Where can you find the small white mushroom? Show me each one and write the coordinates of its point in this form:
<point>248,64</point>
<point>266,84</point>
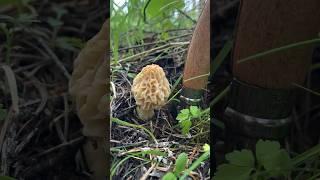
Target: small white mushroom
<point>151,90</point>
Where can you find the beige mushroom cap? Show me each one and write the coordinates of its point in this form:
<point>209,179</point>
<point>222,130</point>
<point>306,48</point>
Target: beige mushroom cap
<point>88,84</point>
<point>151,90</point>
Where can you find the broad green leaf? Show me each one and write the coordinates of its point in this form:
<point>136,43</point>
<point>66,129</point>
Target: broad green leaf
<point>169,176</point>
<point>241,158</point>
<point>185,111</point>
<point>182,117</point>
<point>232,172</point>
<point>157,7</point>
<point>181,163</point>
<point>278,164</point>
<point>266,148</point>
<point>195,111</point>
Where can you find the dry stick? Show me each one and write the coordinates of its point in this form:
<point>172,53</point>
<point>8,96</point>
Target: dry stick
<point>11,80</point>
<point>5,126</point>
<point>55,59</point>
<point>145,176</point>
<point>73,141</point>
<point>66,118</point>
<point>153,43</point>
<point>151,50</point>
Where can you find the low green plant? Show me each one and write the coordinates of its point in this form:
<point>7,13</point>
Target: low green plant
<point>269,161</point>
<point>186,116</point>
<point>180,170</point>
<point>135,21</point>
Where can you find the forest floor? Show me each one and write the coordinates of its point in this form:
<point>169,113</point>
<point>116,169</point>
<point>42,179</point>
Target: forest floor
<point>41,134</point>
<point>129,144</point>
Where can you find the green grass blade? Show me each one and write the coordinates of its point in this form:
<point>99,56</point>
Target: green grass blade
<point>282,48</point>
<point>195,164</point>
<point>221,56</point>
<point>307,89</point>
<point>298,160</point>
<point>124,123</point>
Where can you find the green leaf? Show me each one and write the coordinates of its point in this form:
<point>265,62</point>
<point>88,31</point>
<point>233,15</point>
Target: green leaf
<point>156,152</point>
<point>265,149</point>
<point>59,10</point>
<point>181,163</point>
<point>6,178</point>
<point>156,7</point>
<point>182,117</point>
<point>64,43</point>
<point>185,111</point>
<point>185,125</point>
<point>132,75</point>
<point>195,111</point>
<point>276,161</point>
<point>54,22</point>
<point>278,164</point>
<point>8,2</point>
<point>241,158</point>
<point>206,147</point>
<point>232,172</point>
<point>169,176</point>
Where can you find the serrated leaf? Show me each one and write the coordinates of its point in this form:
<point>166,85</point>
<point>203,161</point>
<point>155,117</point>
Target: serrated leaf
<point>265,149</point>
<point>185,111</point>
<point>182,117</point>
<point>241,158</point>
<point>181,163</point>
<point>232,172</point>
<point>169,176</point>
<point>195,111</point>
<point>278,164</point>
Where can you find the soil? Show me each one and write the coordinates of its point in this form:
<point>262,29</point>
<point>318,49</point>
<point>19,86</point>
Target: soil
<point>43,140</point>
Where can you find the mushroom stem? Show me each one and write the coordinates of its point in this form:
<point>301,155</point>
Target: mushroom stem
<point>96,155</point>
<point>144,114</point>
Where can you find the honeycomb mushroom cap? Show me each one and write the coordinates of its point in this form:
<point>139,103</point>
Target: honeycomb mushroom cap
<point>88,84</point>
<point>150,89</point>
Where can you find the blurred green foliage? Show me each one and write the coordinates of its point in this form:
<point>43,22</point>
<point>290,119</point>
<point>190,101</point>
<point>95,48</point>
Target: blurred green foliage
<point>135,20</point>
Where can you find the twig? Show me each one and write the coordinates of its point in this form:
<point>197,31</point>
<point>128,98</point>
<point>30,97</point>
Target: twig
<point>11,80</point>
<point>55,59</point>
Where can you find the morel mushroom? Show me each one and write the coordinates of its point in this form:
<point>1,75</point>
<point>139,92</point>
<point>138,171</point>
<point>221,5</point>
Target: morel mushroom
<point>151,90</point>
<point>88,86</point>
